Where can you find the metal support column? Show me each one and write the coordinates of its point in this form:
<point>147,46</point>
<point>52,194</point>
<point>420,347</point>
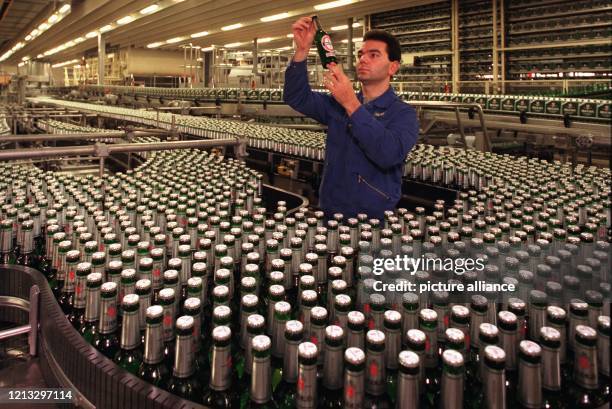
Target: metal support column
<point>456,76</point>
<point>495,48</point>
<point>101,58</point>
<point>349,50</point>
<point>502,45</point>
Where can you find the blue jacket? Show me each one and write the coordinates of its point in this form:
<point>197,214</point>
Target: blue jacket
<point>365,152</point>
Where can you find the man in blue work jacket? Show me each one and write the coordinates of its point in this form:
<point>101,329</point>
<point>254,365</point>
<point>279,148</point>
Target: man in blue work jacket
<point>369,133</point>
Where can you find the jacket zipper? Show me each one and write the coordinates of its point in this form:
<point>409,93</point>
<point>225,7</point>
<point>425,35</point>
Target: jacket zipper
<point>360,179</point>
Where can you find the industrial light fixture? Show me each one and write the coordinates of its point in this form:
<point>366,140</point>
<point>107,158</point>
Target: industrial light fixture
<point>150,9</point>
<point>200,34</point>
<point>91,34</point>
<point>208,48</point>
<point>274,17</point>
<point>333,4</point>
<point>53,18</point>
<point>265,40</point>
<point>79,40</point>
<point>155,45</point>
<point>345,27</point>
<point>231,27</point>
<point>40,56</point>
<point>64,9</point>
<point>125,20</point>
<point>290,35</point>
<point>175,40</point>
<point>232,45</point>
<point>105,28</point>
<point>43,27</point>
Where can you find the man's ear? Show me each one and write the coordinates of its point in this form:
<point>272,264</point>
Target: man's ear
<point>393,68</point>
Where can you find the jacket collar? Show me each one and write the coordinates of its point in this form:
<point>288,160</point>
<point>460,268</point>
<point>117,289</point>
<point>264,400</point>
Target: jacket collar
<point>383,100</point>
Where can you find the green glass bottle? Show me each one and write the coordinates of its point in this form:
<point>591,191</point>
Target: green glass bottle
<point>27,257</point>
<point>222,392</point>
<point>306,396</point>
<point>6,241</point>
<point>529,392</point>
<point>153,368</point>
<point>183,381</point>
<point>66,298</point>
<point>166,300</point>
<point>392,328</point>
<point>282,315</point>
<point>89,328</point>
<point>324,45</point>
<point>77,315</point>
<point>260,392</point>
<point>584,391</point>
<point>408,393</point>
<point>63,248</point>
<point>603,355</point>
<point>106,339</point>
<point>331,391</point>
<point>354,379</point>
<point>552,392</point>
<point>129,356</point>
<point>244,365</point>
<point>450,394</point>
<point>428,323</point>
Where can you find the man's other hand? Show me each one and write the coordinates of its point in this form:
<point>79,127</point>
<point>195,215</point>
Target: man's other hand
<point>303,35</point>
<point>341,88</point>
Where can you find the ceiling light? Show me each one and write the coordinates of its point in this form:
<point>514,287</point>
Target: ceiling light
<point>289,35</point>
<point>333,4</point>
<point>344,27</point>
<point>79,40</point>
<point>232,45</point>
<point>106,28</point>
<point>69,44</point>
<point>64,9</point>
<point>150,9</point>
<point>208,48</point>
<point>43,27</point>
<point>175,40</point>
<point>274,17</point>
<point>26,58</point>
<point>40,56</point>
<point>231,27</point>
<point>125,20</point>
<point>28,37</point>
<point>264,40</point>
<point>34,32</point>
<point>91,34</point>
<point>355,40</point>
<point>285,48</point>
<point>53,18</point>
<point>154,45</point>
<point>21,64</point>
<point>200,34</point>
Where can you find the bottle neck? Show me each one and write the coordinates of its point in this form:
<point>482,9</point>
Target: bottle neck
<point>108,315</point>
<point>92,306</point>
<point>392,348</point>
<point>290,361</point>
<point>353,389</point>
<point>6,240</point>
<point>603,354</point>
<point>261,379</point>
<point>408,389</point>
<point>509,342</point>
<point>551,367</point>
<point>495,388</point>
<point>79,292</point>
<point>144,303</point>
<point>130,330</point>
<point>278,337</point>
<point>307,386</point>
<point>530,384</point>
<point>184,357</point>
<point>70,278</point>
<point>221,368</point>
<point>154,345</point>
<point>375,372</point>
<point>451,389</point>
<point>168,322</point>
<point>27,245</point>
<point>332,367</point>
<point>585,366</point>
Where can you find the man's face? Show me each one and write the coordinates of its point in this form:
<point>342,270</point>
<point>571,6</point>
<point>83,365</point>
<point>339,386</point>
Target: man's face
<point>373,63</point>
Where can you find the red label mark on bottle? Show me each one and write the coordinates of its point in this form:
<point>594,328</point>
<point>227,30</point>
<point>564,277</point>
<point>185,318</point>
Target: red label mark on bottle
<point>314,340</point>
<point>427,344</point>
<point>326,43</point>
<point>78,290</point>
<point>111,312</point>
<point>366,308</point>
<point>228,362</point>
<point>373,370</point>
<point>446,321</point>
<point>583,362</point>
<point>71,275</point>
<point>350,391</point>
<point>157,272</point>
<point>167,320</point>
<point>300,383</point>
<point>371,324</point>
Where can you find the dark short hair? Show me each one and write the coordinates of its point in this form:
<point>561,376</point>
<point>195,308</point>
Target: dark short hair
<point>393,46</point>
